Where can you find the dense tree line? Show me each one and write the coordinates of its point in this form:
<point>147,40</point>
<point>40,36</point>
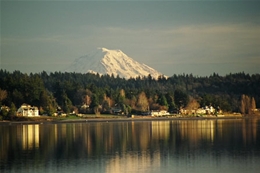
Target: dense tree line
<point>69,92</point>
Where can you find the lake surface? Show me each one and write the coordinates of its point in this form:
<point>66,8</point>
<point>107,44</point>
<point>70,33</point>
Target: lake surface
<point>197,146</point>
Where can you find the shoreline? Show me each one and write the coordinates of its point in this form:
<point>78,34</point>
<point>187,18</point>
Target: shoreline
<point>52,120</point>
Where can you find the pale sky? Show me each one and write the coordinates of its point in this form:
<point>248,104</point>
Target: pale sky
<point>173,37</point>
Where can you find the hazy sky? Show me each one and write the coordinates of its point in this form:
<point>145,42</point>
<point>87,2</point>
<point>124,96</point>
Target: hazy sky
<point>173,37</point>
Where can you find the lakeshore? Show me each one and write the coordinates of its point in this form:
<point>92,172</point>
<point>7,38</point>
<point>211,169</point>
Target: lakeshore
<point>111,118</point>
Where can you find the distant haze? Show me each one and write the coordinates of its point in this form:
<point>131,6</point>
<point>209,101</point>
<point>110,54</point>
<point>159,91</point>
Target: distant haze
<point>173,37</point>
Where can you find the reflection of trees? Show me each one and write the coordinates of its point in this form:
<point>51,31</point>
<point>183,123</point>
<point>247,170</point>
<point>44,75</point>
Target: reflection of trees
<point>132,162</point>
<point>192,132</point>
<point>30,136</point>
<point>48,142</point>
<point>249,131</point>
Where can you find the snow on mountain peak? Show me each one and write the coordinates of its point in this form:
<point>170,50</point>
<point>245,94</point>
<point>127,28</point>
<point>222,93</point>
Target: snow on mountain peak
<point>104,49</point>
<point>105,61</point>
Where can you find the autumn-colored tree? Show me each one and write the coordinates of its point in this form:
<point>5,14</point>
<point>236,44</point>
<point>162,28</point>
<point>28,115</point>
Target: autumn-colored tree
<point>192,105</point>
<point>152,104</point>
<point>132,102</point>
<point>142,102</point>
<point>3,95</point>
<point>106,104</point>
<point>87,99</point>
<point>120,100</point>
<point>243,104</point>
<point>247,104</point>
<point>253,104</point>
<point>122,93</point>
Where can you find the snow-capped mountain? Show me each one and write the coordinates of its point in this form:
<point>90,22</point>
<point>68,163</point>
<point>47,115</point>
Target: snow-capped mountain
<point>105,61</point>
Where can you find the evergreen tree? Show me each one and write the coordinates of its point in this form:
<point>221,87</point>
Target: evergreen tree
<point>12,111</point>
<point>170,101</point>
<point>180,98</point>
<point>94,104</point>
<point>162,101</point>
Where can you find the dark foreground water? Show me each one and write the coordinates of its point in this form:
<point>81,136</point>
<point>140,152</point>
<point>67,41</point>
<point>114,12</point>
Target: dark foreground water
<point>197,146</point>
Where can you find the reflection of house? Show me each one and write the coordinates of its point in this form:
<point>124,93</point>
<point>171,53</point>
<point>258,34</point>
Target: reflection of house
<point>160,130</point>
<point>159,112</point>
<point>30,136</point>
<point>28,111</point>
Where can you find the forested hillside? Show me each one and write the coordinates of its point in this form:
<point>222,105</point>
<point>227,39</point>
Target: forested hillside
<point>92,93</point>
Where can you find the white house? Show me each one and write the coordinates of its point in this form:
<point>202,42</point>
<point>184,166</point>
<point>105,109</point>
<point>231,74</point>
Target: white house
<point>210,109</point>
<point>201,111</point>
<point>206,110</point>
<point>159,113</point>
<point>5,108</point>
<point>28,111</point>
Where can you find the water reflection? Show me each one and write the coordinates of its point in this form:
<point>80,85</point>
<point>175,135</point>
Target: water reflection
<point>29,136</point>
<point>133,162</point>
<point>145,146</point>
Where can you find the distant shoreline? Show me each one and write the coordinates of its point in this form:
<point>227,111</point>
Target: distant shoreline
<point>51,120</point>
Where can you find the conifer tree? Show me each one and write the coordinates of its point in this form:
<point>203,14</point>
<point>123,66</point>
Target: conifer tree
<point>12,111</point>
<point>94,105</point>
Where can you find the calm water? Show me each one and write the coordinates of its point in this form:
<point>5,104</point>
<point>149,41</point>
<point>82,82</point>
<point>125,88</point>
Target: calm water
<point>197,146</point>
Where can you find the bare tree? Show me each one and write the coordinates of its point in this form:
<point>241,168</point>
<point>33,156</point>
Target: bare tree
<point>253,104</point>
<point>247,104</point>
<point>243,104</point>
<point>142,102</point>
<point>192,105</point>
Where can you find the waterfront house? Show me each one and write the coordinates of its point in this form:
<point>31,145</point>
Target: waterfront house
<point>6,108</point>
<point>209,110</point>
<point>158,113</point>
<point>28,111</point>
